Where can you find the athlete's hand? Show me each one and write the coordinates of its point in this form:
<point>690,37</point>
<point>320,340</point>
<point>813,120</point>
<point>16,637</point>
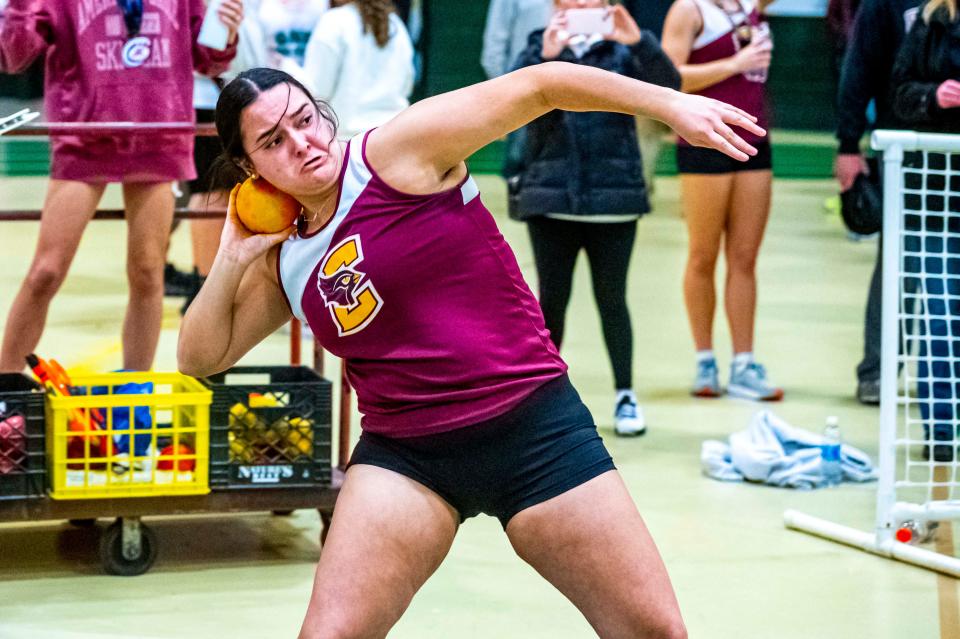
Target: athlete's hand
<point>231,15</point>
<point>948,95</point>
<point>754,56</point>
<point>706,122</point>
<point>847,167</point>
<point>555,37</point>
<point>239,244</point>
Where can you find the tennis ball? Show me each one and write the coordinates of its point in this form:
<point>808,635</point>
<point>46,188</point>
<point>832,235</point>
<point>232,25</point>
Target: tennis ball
<point>263,208</point>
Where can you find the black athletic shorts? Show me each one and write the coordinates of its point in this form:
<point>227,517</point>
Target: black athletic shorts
<point>543,447</point>
<point>692,159</point>
<point>206,149</point>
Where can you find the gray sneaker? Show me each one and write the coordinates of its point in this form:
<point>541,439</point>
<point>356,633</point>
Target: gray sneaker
<point>707,382</point>
<point>750,382</point>
<point>868,392</point>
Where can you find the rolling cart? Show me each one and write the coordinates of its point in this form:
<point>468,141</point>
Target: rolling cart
<point>193,449</point>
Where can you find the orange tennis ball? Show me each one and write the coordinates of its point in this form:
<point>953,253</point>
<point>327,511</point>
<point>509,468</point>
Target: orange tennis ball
<point>263,208</point>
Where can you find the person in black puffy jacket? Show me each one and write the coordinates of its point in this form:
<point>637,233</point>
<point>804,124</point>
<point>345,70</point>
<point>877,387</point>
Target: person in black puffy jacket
<point>926,96</point>
<point>926,92</point>
<point>581,185</point>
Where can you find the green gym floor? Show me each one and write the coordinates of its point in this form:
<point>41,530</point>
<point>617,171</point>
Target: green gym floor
<point>737,572</point>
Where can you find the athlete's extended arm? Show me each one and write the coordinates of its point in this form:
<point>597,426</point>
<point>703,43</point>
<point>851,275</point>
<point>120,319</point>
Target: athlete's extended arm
<point>441,132</point>
<point>239,305</point>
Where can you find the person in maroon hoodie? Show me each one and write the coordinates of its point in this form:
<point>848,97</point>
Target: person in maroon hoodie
<point>109,61</point>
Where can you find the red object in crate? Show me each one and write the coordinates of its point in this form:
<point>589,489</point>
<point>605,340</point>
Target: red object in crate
<point>13,444</point>
<point>166,459</point>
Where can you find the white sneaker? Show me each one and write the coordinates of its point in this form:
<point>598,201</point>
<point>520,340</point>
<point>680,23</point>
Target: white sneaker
<point>628,417</point>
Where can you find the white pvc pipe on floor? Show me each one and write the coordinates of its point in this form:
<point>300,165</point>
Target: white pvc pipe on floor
<point>868,542</point>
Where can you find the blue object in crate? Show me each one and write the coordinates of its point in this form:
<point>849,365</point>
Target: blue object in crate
<point>121,416</point>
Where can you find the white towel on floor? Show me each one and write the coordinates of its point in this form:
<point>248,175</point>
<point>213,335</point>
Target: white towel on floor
<point>771,451</point>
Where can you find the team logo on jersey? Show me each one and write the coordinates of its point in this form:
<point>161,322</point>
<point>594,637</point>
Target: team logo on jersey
<point>340,288</point>
<point>135,52</point>
<point>348,293</point>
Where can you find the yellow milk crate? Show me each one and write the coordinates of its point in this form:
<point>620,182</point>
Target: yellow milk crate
<point>105,440</point>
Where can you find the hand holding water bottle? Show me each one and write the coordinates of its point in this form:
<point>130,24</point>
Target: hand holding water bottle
<point>753,60</point>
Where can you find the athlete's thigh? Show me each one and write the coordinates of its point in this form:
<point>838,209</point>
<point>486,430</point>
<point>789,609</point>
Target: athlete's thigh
<point>67,208</point>
<point>149,207</point>
<point>592,544</point>
<point>388,535</point>
<point>705,201</point>
<point>749,211</point>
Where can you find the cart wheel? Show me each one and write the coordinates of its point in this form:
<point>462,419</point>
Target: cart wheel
<point>325,522</point>
<point>282,513</point>
<point>127,552</point>
<point>82,523</point>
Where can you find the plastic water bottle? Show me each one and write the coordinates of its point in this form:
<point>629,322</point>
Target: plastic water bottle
<point>760,33</point>
<point>830,453</point>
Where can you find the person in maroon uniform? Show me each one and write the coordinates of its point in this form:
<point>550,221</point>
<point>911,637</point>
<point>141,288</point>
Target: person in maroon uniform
<point>722,50</point>
<point>398,268</point>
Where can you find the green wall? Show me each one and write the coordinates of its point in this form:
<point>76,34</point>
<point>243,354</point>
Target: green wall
<point>801,86</point>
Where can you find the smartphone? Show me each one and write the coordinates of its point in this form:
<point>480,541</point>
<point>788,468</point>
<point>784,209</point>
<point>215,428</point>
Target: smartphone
<point>589,21</point>
<point>213,32</point>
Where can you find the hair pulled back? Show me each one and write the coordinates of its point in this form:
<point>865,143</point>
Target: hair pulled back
<point>241,92</point>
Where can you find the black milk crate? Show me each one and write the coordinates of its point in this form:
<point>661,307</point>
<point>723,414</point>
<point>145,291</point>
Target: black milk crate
<point>23,468</point>
<point>269,428</point>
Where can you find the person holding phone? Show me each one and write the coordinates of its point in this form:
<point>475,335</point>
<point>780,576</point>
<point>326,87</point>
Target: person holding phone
<point>398,267</point>
<point>123,61</point>
<point>581,185</point>
<point>723,51</point>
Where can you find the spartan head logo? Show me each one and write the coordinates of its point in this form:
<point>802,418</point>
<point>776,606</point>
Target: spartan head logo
<point>340,288</point>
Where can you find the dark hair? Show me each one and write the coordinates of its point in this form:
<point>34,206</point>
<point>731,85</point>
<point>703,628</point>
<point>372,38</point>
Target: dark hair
<point>376,18</point>
<point>240,93</point>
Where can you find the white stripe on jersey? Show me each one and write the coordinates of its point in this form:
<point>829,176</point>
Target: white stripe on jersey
<point>715,21</point>
<point>469,190</point>
<point>299,255</point>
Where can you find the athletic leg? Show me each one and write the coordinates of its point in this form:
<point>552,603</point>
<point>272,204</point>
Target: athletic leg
<point>68,207</point>
<point>705,202</point>
<point>388,535</point>
<point>205,234</point>
<point>609,247</point>
<point>746,223</point>
<point>149,209</point>
<point>868,370</point>
<point>592,544</point>
<point>556,244</point>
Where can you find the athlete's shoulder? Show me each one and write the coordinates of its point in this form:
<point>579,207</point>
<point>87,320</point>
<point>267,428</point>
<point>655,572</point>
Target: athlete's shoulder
<point>686,12</point>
